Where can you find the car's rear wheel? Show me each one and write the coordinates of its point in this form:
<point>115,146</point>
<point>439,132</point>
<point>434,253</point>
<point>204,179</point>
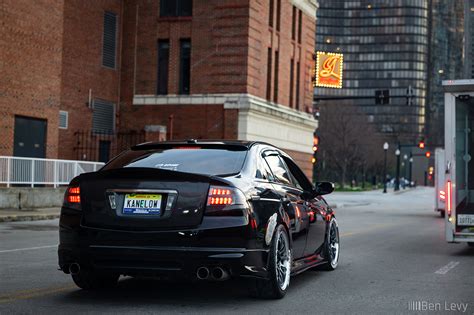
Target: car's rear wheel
<point>279,269</point>
<point>332,246</point>
<point>93,280</point>
<point>441,213</point>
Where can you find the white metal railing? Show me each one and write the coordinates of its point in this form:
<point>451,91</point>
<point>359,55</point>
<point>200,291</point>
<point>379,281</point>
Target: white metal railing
<point>32,171</point>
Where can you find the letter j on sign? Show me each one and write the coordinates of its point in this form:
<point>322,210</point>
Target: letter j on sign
<point>328,70</point>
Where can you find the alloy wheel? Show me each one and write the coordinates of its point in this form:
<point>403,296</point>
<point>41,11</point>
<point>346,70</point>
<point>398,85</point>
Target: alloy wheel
<point>283,261</point>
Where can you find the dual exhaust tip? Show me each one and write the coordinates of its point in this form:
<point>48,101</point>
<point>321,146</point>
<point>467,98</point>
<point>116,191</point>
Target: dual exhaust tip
<point>216,273</point>
<point>74,268</point>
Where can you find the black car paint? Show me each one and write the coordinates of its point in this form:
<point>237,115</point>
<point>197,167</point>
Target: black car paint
<point>97,237</point>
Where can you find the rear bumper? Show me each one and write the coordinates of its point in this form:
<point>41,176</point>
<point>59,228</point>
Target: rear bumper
<point>170,261</point>
<point>233,246</point>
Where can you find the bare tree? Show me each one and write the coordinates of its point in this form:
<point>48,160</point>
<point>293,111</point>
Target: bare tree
<point>349,143</point>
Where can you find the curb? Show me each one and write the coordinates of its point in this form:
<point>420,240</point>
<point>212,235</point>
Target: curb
<point>31,217</point>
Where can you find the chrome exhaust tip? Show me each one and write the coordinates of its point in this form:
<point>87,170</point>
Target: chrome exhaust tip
<point>219,274</point>
<point>74,268</point>
<point>202,273</point>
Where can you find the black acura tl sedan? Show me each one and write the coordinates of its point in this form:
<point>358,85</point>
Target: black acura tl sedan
<point>204,210</point>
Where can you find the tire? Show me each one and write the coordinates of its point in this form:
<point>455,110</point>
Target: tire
<point>91,280</point>
<point>442,213</point>
<point>332,246</point>
<point>279,269</point>
<point>470,244</point>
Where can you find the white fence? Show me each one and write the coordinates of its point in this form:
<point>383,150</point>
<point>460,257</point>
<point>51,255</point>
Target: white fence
<point>32,171</point>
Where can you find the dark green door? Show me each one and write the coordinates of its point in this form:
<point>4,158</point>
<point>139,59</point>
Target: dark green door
<point>29,137</point>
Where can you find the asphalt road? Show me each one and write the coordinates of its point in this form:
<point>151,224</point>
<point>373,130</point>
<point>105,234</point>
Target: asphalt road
<point>392,253</point>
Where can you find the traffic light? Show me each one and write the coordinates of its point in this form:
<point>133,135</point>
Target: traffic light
<point>315,148</point>
<point>421,144</point>
<point>428,154</point>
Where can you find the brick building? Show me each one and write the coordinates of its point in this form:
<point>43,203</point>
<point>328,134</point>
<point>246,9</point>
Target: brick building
<point>134,70</point>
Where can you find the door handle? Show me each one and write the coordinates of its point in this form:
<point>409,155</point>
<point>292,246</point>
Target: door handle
<point>255,198</point>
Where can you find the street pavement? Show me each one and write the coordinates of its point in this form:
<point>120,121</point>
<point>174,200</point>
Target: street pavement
<point>393,253</point>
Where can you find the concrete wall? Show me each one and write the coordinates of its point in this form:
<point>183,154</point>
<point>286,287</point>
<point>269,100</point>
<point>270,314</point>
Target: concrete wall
<point>29,198</point>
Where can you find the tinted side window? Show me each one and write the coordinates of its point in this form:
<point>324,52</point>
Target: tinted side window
<point>298,177</point>
<point>263,171</point>
<point>278,169</point>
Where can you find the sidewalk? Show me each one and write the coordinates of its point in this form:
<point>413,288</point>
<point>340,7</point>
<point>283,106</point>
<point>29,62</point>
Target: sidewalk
<point>29,215</point>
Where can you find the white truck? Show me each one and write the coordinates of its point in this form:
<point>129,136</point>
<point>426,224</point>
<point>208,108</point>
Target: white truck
<point>440,182</point>
<point>459,166</point>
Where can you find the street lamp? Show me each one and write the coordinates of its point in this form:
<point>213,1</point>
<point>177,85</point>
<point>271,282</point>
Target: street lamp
<point>405,164</point>
<point>397,178</point>
<point>409,173</point>
<point>385,148</point>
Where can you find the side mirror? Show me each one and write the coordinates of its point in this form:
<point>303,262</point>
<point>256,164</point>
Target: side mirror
<point>323,188</point>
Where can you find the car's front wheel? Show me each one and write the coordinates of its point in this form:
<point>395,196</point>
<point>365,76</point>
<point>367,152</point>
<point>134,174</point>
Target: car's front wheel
<point>279,269</point>
<point>93,280</point>
<point>332,246</point>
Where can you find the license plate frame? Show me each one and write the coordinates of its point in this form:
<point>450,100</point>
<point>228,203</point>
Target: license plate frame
<point>142,204</point>
<point>465,219</point>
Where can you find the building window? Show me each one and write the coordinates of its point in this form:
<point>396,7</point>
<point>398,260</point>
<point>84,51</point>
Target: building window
<point>184,66</point>
<point>63,119</point>
<point>270,18</point>
<point>292,78</point>
<point>300,25</point>
<point>298,85</point>
<point>278,14</point>
<point>293,24</point>
<point>163,66</point>
<point>109,45</point>
<point>269,74</point>
<point>275,86</point>
<point>103,117</point>
<point>176,7</point>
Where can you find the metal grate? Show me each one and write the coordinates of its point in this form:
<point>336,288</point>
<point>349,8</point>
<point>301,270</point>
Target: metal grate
<point>110,40</point>
<point>103,118</point>
<point>63,119</point>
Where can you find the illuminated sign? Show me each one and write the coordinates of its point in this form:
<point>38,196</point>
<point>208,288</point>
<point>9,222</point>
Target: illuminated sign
<point>328,70</point>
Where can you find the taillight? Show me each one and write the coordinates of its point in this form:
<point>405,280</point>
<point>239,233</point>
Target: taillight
<point>442,195</point>
<point>74,195</point>
<point>225,201</point>
<point>220,196</point>
<point>449,192</point>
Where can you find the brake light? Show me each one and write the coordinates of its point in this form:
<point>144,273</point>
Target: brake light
<point>442,195</point>
<point>220,196</point>
<point>73,195</point>
<point>448,196</point>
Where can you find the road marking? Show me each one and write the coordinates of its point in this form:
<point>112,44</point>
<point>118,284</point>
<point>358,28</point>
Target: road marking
<point>445,269</point>
<point>32,293</point>
<point>28,248</point>
<point>370,229</point>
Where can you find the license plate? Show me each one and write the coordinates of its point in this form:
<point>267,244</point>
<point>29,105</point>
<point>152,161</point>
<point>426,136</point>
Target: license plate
<point>147,204</point>
<point>465,219</point>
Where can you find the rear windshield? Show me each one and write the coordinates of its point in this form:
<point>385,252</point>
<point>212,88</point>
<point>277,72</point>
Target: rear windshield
<point>198,161</point>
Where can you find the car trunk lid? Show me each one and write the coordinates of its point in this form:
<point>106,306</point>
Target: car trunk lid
<point>180,197</point>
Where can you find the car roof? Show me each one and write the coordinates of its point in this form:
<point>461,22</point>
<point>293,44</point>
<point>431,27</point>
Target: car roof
<point>230,144</point>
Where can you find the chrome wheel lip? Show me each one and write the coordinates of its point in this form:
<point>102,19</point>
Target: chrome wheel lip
<point>334,244</point>
<point>283,261</point>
